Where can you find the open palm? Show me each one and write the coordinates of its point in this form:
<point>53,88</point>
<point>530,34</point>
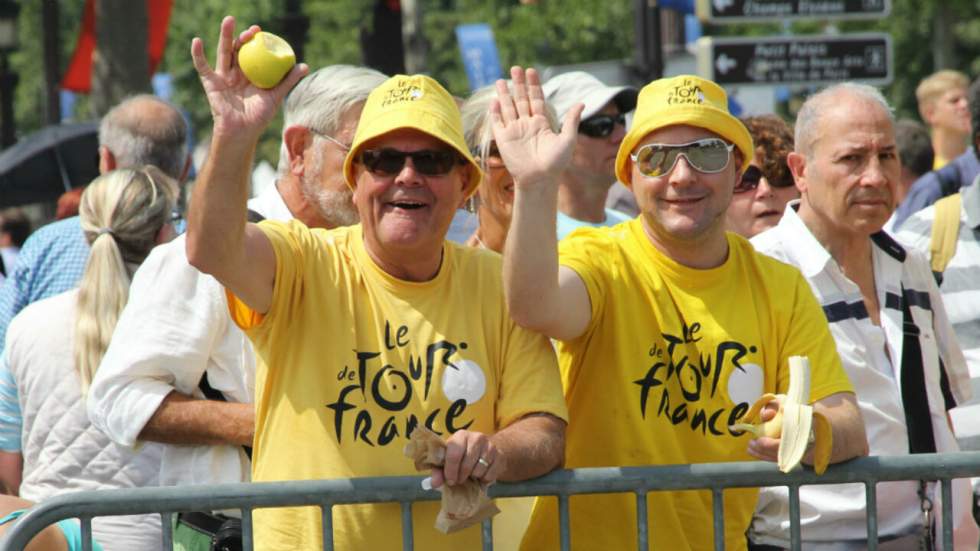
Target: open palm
<point>236,104</point>
<point>530,149</point>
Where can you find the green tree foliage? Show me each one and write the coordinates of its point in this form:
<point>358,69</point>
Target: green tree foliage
<point>549,32</point>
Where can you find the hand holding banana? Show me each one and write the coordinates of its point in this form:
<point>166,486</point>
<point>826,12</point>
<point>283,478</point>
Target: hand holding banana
<point>795,423</point>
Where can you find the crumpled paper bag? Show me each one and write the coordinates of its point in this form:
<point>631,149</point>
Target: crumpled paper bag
<point>464,504</point>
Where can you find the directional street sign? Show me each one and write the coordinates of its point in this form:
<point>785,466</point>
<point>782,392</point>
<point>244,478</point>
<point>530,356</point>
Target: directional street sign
<point>743,11</point>
<point>866,57</point>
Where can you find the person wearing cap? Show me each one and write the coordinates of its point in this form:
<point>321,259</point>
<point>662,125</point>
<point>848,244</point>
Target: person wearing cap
<point>888,320</point>
<point>584,183</point>
<point>668,327</point>
<point>367,332</point>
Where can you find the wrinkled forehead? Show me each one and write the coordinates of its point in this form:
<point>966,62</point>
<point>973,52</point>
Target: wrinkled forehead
<point>854,124</point>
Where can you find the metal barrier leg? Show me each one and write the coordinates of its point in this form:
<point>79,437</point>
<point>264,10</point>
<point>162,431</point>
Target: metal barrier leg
<point>487,534</point>
<point>718,504</point>
<point>326,523</point>
<point>86,533</point>
<point>247,543</point>
<point>947,513</point>
<point>794,518</point>
<point>167,530</point>
<point>407,528</point>
<point>871,514</point>
<point>564,531</point>
<point>642,530</point>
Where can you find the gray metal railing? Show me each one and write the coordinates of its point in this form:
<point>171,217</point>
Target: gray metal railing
<point>562,484</point>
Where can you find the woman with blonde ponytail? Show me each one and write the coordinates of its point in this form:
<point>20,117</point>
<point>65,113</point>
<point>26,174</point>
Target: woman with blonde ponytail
<point>54,347</point>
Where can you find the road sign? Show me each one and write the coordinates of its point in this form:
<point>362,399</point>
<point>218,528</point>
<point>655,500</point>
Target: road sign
<point>797,60</point>
<point>479,52</point>
<point>744,11</point>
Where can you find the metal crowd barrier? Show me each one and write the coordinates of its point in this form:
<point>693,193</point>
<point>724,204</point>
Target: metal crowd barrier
<point>407,489</point>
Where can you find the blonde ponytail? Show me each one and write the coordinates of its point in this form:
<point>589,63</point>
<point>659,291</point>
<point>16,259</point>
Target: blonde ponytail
<point>121,214</point>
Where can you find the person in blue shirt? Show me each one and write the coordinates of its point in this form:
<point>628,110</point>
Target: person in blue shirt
<point>585,182</point>
<point>142,129</point>
<point>958,173</point>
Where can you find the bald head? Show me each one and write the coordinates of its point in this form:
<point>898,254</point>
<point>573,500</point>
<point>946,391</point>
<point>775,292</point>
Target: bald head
<point>825,103</point>
<point>145,130</point>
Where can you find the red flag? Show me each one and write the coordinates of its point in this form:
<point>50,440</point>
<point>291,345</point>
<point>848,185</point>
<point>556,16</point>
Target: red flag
<point>78,77</point>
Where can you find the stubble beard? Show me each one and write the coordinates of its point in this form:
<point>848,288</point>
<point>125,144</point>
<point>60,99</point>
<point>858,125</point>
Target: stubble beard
<point>336,206</point>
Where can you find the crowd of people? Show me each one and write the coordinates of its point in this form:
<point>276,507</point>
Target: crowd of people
<point>521,272</point>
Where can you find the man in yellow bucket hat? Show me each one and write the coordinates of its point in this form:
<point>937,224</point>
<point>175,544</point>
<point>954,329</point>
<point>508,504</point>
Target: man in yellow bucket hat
<point>367,332</point>
<point>668,327</point>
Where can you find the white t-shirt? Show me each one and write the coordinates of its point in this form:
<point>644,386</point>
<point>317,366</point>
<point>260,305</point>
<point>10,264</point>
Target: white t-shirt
<point>173,329</point>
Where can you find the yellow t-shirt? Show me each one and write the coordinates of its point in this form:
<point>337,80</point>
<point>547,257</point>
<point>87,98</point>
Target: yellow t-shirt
<point>671,357</point>
<point>350,359</point>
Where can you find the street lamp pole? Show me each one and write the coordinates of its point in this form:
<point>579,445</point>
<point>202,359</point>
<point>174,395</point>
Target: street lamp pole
<point>8,79</point>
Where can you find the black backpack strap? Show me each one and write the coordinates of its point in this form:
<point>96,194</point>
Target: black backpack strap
<point>949,179</point>
<point>255,217</point>
<point>3,267</point>
<point>211,394</point>
<point>918,419</point>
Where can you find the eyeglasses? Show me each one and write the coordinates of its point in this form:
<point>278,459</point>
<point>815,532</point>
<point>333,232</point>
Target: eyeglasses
<point>708,156</point>
<point>493,159</point>
<point>339,143</point>
<point>429,162</point>
<point>601,126</point>
<point>753,175</point>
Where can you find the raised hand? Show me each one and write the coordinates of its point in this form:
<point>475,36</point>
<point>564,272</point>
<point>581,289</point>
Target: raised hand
<point>236,104</point>
<point>531,150</point>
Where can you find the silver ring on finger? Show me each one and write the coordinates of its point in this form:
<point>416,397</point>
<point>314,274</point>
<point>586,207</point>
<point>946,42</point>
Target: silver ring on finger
<point>483,462</point>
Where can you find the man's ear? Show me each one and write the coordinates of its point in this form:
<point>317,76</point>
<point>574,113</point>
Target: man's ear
<point>296,139</point>
<point>107,161</point>
<point>797,166</point>
<point>926,111</point>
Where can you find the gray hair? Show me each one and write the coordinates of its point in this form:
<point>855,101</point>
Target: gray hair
<point>321,99</point>
<point>815,105</point>
<point>146,130</point>
<point>475,112</point>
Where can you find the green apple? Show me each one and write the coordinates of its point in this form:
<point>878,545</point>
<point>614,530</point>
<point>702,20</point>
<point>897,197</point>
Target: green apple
<point>265,59</point>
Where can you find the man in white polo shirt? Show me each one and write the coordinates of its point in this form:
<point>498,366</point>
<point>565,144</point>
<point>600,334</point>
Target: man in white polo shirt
<point>885,314</point>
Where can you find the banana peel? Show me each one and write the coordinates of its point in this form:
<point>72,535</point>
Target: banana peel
<point>795,424</point>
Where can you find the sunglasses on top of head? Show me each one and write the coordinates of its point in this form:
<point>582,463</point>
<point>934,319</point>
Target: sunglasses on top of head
<point>708,156</point>
<point>601,126</point>
<point>749,180</point>
<point>430,162</point>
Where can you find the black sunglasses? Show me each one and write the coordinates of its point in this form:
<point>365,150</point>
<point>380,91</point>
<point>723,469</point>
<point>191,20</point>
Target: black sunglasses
<point>429,162</point>
<point>753,175</point>
<point>601,126</point>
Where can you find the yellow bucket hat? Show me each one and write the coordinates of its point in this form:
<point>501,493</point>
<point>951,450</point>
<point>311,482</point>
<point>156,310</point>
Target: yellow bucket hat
<point>684,99</point>
<point>417,102</point>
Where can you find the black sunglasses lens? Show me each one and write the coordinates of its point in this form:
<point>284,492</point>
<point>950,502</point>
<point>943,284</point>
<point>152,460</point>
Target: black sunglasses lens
<point>433,163</point>
<point>601,126</point>
<point>384,161</point>
<point>749,180</point>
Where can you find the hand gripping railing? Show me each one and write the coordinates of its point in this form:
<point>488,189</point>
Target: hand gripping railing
<point>407,489</point>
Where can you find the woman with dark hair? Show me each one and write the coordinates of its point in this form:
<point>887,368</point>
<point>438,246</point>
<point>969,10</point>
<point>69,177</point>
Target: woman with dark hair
<point>762,191</point>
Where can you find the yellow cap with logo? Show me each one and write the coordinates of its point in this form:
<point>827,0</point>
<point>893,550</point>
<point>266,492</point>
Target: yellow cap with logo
<point>417,102</point>
<point>684,99</point>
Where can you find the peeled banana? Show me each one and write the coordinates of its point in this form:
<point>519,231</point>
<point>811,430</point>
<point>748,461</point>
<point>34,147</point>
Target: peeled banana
<point>795,424</point>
